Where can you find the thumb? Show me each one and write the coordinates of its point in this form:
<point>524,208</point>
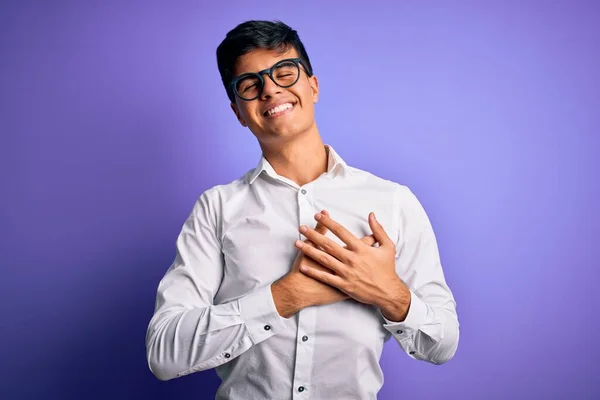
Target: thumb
<point>378,231</point>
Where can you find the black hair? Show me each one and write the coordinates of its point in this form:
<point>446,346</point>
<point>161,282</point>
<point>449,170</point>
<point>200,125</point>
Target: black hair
<point>250,35</point>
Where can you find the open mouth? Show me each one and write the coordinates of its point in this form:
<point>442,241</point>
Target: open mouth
<point>279,110</point>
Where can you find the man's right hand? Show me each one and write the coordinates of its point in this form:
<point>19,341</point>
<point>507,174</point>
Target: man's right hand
<point>295,290</point>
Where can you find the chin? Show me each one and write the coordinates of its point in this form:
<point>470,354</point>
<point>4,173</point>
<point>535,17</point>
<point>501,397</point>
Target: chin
<point>274,133</point>
<point>289,130</point>
<point>279,135</point>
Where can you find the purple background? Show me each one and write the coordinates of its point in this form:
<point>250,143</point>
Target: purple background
<point>113,121</point>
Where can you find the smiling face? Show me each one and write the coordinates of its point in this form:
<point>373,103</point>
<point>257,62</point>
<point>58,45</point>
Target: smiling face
<point>278,113</point>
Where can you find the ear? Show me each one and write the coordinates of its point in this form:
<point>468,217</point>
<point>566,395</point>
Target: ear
<point>314,86</point>
<point>238,115</point>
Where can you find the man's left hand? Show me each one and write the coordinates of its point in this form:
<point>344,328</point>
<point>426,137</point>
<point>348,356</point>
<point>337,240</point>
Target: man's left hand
<point>364,272</point>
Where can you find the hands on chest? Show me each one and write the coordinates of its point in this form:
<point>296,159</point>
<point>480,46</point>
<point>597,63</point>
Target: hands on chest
<point>325,272</point>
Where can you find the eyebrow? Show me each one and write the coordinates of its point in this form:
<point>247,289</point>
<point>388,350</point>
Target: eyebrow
<point>265,69</point>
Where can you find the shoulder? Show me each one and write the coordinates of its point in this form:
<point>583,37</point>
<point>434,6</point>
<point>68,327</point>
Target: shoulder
<point>404,198</point>
<point>365,177</point>
<point>211,201</point>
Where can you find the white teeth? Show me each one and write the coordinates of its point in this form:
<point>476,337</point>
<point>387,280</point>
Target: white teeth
<point>279,109</point>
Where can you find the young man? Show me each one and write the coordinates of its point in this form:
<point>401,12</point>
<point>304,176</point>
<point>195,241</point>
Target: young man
<point>238,297</point>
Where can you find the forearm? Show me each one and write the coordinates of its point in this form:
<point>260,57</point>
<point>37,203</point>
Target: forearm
<point>179,340</point>
<point>296,291</point>
<point>182,340</point>
<point>394,301</point>
<point>447,343</point>
<point>429,333</point>
<point>285,298</point>
<point>430,329</point>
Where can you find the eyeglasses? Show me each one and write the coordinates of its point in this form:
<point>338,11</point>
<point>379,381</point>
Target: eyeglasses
<point>284,73</point>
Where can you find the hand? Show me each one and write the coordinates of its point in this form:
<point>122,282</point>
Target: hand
<point>314,292</point>
<point>296,290</point>
<point>363,272</point>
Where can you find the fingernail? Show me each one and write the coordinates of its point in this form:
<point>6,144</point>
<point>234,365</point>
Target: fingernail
<point>299,243</point>
<point>303,228</point>
<point>303,268</point>
<point>318,216</point>
<point>374,216</point>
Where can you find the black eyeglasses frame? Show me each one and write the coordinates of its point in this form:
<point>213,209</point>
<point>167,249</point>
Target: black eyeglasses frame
<point>268,71</point>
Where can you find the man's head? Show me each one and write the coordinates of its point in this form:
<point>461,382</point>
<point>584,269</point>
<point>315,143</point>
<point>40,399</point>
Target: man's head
<point>265,69</point>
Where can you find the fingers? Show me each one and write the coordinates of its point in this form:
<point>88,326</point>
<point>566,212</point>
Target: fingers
<point>322,229</point>
<point>325,243</point>
<point>338,230</point>
<point>369,240</point>
<point>378,232</point>
<point>325,277</point>
<point>321,257</point>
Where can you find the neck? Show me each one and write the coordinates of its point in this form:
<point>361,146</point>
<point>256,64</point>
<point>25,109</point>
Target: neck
<point>302,160</point>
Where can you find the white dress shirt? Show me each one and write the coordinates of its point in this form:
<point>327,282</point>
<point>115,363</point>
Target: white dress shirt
<point>215,309</point>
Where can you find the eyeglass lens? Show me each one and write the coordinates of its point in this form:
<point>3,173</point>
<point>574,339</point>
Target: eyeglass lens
<point>284,74</point>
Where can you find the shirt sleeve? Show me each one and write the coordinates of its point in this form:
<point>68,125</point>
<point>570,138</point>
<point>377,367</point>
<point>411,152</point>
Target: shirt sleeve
<point>188,333</point>
<point>430,331</point>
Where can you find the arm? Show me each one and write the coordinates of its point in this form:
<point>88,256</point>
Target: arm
<point>285,298</point>
<point>188,333</point>
<point>430,330</point>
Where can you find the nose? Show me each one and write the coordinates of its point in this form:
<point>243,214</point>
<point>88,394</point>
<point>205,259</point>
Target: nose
<point>269,87</point>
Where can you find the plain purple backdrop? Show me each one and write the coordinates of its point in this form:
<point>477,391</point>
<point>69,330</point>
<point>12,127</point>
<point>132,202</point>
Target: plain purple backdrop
<point>113,121</point>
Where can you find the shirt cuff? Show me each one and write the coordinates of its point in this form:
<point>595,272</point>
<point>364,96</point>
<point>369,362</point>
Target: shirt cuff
<point>417,316</point>
<point>260,314</point>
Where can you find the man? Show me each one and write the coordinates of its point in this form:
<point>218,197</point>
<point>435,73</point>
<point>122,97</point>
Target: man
<point>277,316</point>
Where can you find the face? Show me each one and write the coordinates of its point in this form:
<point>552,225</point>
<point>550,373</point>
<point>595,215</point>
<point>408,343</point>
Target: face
<point>259,116</point>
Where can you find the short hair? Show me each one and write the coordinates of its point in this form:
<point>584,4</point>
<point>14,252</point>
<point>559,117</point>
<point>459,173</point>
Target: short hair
<point>251,35</point>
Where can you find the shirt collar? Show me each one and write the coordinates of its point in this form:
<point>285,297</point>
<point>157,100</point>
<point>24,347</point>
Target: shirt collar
<point>335,163</point>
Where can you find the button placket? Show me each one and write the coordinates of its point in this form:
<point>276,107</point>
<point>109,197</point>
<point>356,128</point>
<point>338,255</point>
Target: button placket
<point>304,350</point>
<point>306,210</point>
<point>307,316</point>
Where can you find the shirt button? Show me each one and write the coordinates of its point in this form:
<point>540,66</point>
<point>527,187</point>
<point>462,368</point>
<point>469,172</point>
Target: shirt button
<point>227,355</point>
<point>267,327</point>
<point>301,389</point>
<point>303,191</point>
<point>304,338</point>
<point>399,332</point>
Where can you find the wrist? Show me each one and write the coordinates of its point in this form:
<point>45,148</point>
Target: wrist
<point>395,302</point>
<point>284,297</point>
